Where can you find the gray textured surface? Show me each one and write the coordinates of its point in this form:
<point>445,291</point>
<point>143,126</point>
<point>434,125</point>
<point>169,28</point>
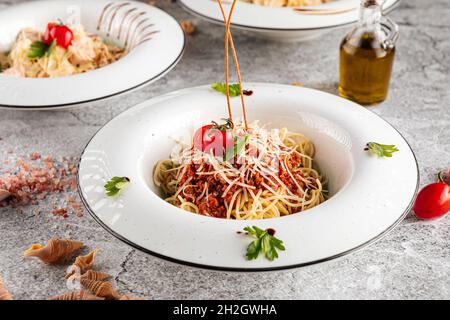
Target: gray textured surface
<point>412,262</point>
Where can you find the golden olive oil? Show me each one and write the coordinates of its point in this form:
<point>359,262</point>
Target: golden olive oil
<point>365,70</point>
<point>367,56</point>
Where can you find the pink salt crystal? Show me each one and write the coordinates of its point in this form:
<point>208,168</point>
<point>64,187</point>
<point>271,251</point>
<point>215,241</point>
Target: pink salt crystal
<point>73,184</point>
<point>35,156</point>
<point>60,212</point>
<point>30,184</point>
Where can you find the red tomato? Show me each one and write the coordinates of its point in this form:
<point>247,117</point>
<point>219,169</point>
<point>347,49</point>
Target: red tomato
<point>209,138</point>
<point>59,32</point>
<point>433,201</point>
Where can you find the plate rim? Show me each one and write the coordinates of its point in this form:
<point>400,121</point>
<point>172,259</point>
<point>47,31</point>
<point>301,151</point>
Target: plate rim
<point>252,28</point>
<point>119,93</point>
<point>236,269</point>
<point>82,103</point>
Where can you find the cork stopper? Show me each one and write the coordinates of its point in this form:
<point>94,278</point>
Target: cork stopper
<point>371,3</point>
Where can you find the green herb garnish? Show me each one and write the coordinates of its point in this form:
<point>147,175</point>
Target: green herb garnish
<point>38,49</point>
<point>381,150</point>
<point>115,185</point>
<point>234,89</point>
<point>239,145</point>
<point>265,243</point>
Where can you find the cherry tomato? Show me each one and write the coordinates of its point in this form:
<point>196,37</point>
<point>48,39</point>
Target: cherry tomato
<point>433,201</point>
<point>59,32</point>
<point>210,137</point>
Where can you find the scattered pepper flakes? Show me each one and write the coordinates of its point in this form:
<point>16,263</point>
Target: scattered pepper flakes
<point>188,27</point>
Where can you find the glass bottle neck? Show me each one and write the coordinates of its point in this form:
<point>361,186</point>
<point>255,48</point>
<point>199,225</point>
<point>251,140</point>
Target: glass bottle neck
<point>370,17</point>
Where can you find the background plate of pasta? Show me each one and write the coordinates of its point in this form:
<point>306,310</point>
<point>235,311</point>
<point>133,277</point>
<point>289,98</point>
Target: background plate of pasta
<point>299,167</point>
<point>72,46</point>
<point>283,20</point>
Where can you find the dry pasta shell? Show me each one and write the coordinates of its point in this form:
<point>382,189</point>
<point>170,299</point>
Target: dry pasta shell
<point>4,194</point>
<point>4,294</point>
<point>125,297</point>
<point>82,263</point>
<point>100,289</point>
<point>95,275</point>
<point>54,251</point>
<point>77,295</point>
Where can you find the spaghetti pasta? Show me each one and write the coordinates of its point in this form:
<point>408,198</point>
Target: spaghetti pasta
<point>87,52</point>
<point>274,175</point>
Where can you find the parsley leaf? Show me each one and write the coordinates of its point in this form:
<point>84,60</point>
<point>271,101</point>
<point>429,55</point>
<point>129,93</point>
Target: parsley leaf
<point>115,185</point>
<point>381,150</point>
<point>38,49</point>
<point>235,89</point>
<point>254,249</point>
<point>239,145</point>
<point>265,243</point>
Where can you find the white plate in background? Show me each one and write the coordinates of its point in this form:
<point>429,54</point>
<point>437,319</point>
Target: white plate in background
<point>116,20</point>
<point>280,23</point>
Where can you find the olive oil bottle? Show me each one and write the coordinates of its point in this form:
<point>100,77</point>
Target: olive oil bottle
<point>367,56</point>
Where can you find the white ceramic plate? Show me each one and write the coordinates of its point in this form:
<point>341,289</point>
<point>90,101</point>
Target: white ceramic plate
<point>155,38</point>
<point>284,24</point>
<point>370,196</point>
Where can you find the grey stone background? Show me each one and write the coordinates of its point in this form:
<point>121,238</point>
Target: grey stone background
<point>412,262</point>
